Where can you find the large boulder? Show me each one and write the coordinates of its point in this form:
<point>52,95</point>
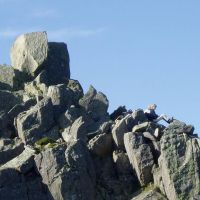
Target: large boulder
<point>57,68</point>
<point>68,171</point>
<point>140,156</point>
<point>179,163</point>
<point>101,145</point>
<point>139,116</point>
<point>34,124</point>
<point>125,172</point>
<point>78,130</point>
<point>18,179</point>
<point>14,185</point>
<point>96,104</point>
<point>118,131</point>
<point>32,53</point>
<point>29,52</point>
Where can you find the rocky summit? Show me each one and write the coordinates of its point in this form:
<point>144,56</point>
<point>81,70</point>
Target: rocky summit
<point>59,143</point>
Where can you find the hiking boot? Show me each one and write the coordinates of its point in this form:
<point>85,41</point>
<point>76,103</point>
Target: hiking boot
<point>170,120</point>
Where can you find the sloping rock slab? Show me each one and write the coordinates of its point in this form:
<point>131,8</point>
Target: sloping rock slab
<point>22,163</point>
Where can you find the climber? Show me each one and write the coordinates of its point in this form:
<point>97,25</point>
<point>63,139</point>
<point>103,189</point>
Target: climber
<point>152,116</point>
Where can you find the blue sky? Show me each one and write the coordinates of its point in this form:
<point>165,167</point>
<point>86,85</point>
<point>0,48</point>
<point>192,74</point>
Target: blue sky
<point>136,52</point>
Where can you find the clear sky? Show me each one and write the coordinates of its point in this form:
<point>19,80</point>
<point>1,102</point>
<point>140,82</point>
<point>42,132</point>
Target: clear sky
<point>135,51</point>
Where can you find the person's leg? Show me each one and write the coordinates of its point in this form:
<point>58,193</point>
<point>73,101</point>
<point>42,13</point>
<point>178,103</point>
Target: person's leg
<point>159,118</point>
<point>163,117</point>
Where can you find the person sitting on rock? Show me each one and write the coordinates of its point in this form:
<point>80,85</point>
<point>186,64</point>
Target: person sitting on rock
<point>152,116</point>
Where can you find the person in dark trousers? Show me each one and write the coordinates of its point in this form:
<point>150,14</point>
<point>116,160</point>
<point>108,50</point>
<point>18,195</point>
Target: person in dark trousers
<point>152,116</point>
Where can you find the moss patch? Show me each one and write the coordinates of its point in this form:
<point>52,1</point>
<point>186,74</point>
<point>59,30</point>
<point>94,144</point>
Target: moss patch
<point>44,143</point>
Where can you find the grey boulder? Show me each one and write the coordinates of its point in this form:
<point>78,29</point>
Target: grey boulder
<point>96,104</point>
<point>18,180</point>
<point>140,156</point>
<point>125,172</point>
<point>33,124</point>
<point>139,116</point>
<point>101,145</point>
<point>61,98</point>
<point>57,69</point>
<point>67,171</point>
<point>118,131</point>
<point>29,52</point>
<point>178,172</point>
<point>78,130</point>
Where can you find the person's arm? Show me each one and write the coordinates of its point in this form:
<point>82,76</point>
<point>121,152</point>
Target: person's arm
<point>154,115</point>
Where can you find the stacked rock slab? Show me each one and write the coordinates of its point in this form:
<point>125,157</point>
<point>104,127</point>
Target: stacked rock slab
<point>32,54</point>
<point>140,157</point>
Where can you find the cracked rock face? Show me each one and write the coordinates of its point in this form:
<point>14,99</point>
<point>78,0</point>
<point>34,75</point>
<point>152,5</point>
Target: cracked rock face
<point>179,163</point>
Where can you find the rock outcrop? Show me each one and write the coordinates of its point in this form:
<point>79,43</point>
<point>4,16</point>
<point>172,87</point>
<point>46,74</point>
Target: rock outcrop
<point>140,156</point>
<point>179,163</point>
<point>32,54</point>
<point>57,143</point>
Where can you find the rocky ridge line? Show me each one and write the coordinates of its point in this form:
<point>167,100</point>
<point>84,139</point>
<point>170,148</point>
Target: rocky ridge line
<point>57,143</point>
